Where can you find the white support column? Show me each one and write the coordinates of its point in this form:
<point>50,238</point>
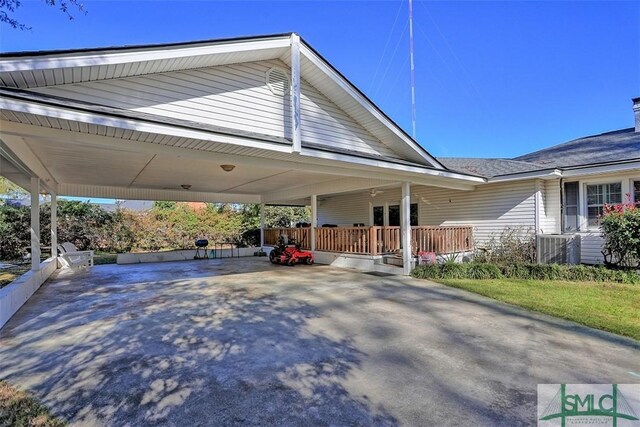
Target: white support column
<point>314,220</point>
<point>35,224</point>
<point>261,226</point>
<point>405,227</point>
<point>296,135</point>
<point>54,225</point>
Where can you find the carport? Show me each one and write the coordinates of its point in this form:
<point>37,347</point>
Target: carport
<point>194,122</point>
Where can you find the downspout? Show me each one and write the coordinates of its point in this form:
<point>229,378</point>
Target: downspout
<point>536,218</point>
<point>561,205</point>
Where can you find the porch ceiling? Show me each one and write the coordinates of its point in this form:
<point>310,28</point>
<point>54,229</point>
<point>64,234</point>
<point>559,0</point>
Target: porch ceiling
<point>90,165</point>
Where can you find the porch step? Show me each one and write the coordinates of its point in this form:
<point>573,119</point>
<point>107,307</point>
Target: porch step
<point>388,269</point>
<point>392,260</point>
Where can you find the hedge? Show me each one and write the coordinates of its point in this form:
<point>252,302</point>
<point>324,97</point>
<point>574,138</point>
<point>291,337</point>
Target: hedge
<point>476,270</point>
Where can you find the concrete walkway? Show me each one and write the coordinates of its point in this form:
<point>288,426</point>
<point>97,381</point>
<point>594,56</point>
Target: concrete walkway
<point>241,342</point>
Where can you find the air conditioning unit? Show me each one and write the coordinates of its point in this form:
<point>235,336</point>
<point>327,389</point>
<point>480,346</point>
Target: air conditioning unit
<point>558,248</point>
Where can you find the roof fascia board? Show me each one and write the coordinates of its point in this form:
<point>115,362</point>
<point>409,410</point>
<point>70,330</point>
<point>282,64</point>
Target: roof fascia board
<point>601,169</point>
<point>546,174</point>
<point>415,173</point>
<point>345,85</point>
<point>573,171</point>
<point>297,162</point>
<point>137,55</point>
<point>30,107</point>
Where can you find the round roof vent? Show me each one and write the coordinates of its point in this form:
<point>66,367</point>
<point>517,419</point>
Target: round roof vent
<point>278,81</point>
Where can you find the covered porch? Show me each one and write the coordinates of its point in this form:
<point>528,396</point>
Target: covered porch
<point>377,240</point>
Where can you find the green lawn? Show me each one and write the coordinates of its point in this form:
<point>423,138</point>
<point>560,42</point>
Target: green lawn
<point>612,307</point>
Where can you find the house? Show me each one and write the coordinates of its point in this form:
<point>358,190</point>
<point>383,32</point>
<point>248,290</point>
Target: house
<point>560,190</point>
<point>268,120</point>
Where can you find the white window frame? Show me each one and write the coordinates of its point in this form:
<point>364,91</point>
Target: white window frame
<point>584,199</point>
<point>634,197</point>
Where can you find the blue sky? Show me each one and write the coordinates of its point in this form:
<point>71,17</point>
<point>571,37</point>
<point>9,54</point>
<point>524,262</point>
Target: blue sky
<point>493,79</point>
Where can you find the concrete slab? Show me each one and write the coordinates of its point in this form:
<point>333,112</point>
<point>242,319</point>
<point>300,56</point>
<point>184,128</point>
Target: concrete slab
<point>239,341</point>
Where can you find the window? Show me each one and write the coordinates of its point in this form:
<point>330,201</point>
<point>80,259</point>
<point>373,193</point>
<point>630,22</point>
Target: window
<point>378,216</point>
<point>570,208</point>
<point>413,214</point>
<point>597,196</point>
<point>394,215</point>
<point>636,191</point>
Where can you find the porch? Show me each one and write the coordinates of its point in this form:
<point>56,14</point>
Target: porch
<point>376,240</point>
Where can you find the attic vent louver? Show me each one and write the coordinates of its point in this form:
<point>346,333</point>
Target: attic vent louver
<point>278,81</point>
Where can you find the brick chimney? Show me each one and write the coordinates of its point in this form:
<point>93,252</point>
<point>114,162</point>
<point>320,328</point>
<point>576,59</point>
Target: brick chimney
<point>636,111</point>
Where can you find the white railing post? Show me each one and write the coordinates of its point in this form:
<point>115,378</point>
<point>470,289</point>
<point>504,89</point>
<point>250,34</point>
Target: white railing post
<point>405,225</point>
<point>314,220</point>
<point>54,225</point>
<point>35,224</point>
<point>261,226</point>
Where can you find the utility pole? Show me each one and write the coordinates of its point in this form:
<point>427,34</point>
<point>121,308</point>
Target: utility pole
<point>413,79</point>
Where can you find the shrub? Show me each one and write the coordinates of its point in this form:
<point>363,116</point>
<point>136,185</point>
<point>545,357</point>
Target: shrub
<point>427,271</point>
<point>483,271</point>
<point>549,272</point>
<point>621,231</point>
<point>453,270</point>
<point>514,245</point>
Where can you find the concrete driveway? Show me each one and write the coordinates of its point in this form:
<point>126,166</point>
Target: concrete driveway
<point>243,342</point>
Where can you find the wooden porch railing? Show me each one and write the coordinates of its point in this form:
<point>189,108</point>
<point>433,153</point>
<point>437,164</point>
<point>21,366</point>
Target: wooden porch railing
<point>378,240</point>
<point>300,235</point>
<point>351,240</point>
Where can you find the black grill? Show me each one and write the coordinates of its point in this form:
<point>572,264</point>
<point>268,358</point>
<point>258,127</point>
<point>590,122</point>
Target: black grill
<point>201,244</point>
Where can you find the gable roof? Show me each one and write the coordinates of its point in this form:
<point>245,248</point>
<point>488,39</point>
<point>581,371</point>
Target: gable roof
<point>25,70</point>
<point>606,148</point>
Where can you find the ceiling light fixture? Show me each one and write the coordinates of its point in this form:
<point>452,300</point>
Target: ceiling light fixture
<point>228,168</point>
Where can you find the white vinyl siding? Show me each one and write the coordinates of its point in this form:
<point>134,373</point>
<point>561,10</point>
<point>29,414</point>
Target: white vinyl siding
<point>550,214</point>
<point>489,208</point>
<point>230,96</point>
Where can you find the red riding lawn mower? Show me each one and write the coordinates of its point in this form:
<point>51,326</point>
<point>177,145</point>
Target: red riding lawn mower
<point>289,253</point>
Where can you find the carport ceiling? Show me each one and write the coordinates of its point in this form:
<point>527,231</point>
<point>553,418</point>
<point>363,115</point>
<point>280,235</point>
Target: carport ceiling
<point>91,165</point>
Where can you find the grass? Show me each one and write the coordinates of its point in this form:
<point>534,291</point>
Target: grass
<point>611,307</point>
<point>19,409</point>
<point>8,275</point>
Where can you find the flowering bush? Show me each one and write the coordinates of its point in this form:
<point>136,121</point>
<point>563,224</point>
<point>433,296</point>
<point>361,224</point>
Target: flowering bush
<point>621,231</point>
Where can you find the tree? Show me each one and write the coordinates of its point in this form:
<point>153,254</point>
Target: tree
<point>11,190</point>
<point>8,7</point>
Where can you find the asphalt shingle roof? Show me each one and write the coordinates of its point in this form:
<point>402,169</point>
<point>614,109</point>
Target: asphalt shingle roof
<point>607,147</point>
<point>487,167</point>
<point>615,146</point>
